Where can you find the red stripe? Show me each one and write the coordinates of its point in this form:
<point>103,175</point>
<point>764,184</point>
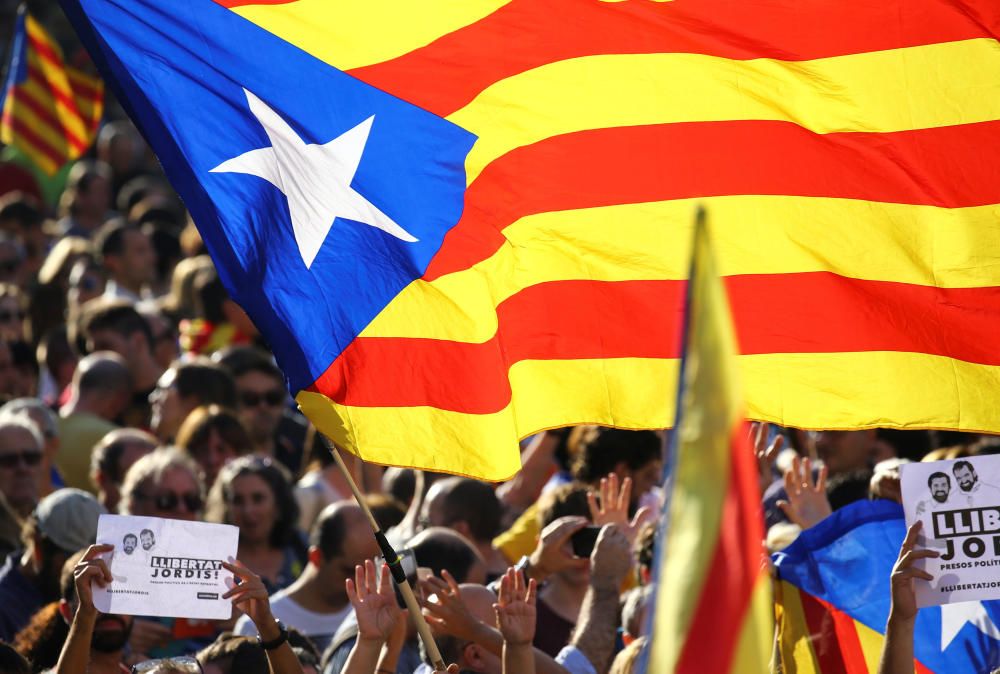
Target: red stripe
<point>850,643</point>
<point>636,164</point>
<point>822,634</point>
<point>46,51</point>
<point>736,565</point>
<point>57,93</point>
<point>593,319</point>
<point>25,134</point>
<point>84,86</point>
<point>46,115</point>
<point>448,73</point>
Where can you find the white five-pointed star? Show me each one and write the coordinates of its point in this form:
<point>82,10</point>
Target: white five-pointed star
<point>316,179</point>
<point>955,616</point>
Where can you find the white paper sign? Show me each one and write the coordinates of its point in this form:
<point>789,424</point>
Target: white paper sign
<point>167,568</point>
<point>959,504</point>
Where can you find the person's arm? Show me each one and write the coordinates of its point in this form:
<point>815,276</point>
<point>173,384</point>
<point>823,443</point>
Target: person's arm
<point>537,462</point>
<point>377,614</point>
<point>550,555</point>
<point>515,609</point>
<point>75,655</point>
<point>250,596</point>
<point>897,650</point>
<point>598,625</point>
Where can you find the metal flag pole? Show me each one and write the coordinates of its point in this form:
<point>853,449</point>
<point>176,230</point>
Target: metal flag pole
<point>394,562</point>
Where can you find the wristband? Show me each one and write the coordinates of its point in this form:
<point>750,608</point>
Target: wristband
<point>277,641</point>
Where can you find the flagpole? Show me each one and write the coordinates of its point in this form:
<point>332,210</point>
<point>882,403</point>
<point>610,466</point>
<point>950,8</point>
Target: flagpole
<point>394,562</point>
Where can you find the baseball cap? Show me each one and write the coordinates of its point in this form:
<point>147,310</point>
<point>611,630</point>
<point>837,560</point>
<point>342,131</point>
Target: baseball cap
<point>68,518</point>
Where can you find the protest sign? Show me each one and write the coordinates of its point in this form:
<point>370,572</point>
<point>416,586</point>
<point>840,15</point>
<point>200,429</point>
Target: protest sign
<point>959,504</point>
<point>168,568</point>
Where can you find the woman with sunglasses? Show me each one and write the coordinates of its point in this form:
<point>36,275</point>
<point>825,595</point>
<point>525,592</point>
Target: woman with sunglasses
<point>164,483</point>
<point>255,494</point>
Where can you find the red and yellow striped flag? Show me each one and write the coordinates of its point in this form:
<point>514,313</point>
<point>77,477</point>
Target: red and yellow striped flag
<point>850,152</point>
<point>51,111</point>
<point>713,611</point>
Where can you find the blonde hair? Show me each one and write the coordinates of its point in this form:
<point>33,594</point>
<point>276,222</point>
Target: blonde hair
<point>61,258</point>
<point>625,661</point>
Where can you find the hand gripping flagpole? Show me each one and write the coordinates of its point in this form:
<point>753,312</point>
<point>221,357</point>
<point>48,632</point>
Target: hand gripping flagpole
<point>395,565</point>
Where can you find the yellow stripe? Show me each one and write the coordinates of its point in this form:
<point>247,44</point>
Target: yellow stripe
<point>402,436</point>
<point>754,649</point>
<point>908,88</point>
<point>68,115</point>
<point>793,641</point>
<point>830,391</point>
<point>871,645</point>
<point>40,159</point>
<point>924,245</point>
<point>355,34</point>
<point>43,128</point>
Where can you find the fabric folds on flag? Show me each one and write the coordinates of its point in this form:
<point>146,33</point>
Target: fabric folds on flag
<point>50,110</point>
<point>713,601</point>
<point>833,602</point>
<point>571,140</point>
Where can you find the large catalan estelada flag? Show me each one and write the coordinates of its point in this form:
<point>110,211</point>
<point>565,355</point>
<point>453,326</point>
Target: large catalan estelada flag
<point>457,223</point>
<point>712,613</point>
<point>50,110</point>
<point>833,602</point>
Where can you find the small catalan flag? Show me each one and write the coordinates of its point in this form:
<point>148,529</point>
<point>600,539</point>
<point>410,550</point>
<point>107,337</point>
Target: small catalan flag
<point>51,111</point>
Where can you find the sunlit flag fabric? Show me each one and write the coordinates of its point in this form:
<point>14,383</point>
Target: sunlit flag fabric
<point>833,602</point>
<point>712,613</point>
<point>458,223</point>
<point>50,110</point>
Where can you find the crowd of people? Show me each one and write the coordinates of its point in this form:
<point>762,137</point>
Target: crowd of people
<point>131,383</point>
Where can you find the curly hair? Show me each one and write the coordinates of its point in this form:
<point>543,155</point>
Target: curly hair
<point>599,450</point>
<point>277,477</point>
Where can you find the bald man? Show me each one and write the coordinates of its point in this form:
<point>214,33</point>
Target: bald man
<point>100,392</point>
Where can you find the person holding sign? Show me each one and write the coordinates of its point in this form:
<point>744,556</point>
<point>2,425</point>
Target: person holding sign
<point>247,594</point>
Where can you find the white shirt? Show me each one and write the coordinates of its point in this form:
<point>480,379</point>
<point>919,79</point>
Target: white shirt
<point>319,627</point>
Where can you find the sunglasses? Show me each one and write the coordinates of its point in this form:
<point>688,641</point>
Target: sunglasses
<point>27,457</point>
<point>169,501</point>
<point>7,316</point>
<point>271,398</point>
<point>185,664</point>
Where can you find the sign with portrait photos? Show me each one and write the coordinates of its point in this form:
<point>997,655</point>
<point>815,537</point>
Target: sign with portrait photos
<point>958,502</point>
<point>166,568</point>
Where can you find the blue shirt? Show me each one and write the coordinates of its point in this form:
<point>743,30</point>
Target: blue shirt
<point>19,597</point>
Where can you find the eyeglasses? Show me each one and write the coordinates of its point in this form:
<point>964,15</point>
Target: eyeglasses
<point>271,398</point>
<point>184,664</point>
<point>169,501</point>
<point>7,316</point>
<point>27,456</point>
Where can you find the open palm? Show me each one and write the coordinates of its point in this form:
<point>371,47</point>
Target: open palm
<point>374,604</point>
<point>515,608</point>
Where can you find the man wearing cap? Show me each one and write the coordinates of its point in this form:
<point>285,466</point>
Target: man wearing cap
<point>62,523</point>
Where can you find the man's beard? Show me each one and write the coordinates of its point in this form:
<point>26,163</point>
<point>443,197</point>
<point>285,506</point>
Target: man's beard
<point>110,641</point>
<point>940,496</point>
<point>966,486</point>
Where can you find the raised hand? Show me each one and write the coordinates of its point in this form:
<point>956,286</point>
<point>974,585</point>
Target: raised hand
<point>807,503</point>
<point>550,555</point>
<point>515,608</point>
<point>765,453</point>
<point>446,610</point>
<point>611,559</point>
<point>250,595</point>
<point>375,605</point>
<point>613,506</point>
<point>89,570</point>
<point>904,597</point>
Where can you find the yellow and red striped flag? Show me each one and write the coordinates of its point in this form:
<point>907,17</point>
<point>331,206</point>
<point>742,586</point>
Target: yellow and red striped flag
<point>850,151</point>
<point>50,110</point>
<point>713,610</point>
